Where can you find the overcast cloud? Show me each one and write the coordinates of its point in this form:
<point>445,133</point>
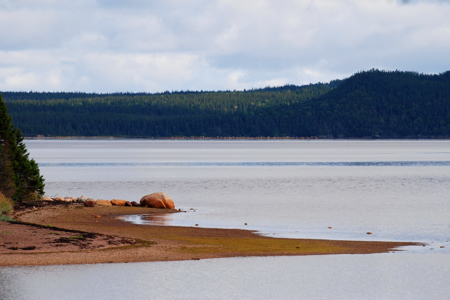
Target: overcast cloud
<point>153,46</point>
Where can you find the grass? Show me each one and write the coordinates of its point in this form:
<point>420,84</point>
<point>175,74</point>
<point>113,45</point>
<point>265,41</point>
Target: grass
<point>4,218</point>
<point>6,205</point>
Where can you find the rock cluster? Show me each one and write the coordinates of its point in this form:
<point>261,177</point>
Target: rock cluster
<point>155,200</point>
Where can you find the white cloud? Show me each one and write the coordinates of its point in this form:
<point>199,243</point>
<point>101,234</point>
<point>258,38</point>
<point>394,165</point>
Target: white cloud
<point>141,45</point>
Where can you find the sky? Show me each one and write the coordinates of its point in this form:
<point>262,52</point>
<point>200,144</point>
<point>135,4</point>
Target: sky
<point>152,46</point>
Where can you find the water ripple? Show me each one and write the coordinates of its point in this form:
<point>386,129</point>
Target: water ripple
<point>253,164</point>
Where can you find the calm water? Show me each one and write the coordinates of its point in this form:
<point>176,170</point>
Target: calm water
<point>398,190</point>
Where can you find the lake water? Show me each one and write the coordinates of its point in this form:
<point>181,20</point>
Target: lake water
<point>398,190</point>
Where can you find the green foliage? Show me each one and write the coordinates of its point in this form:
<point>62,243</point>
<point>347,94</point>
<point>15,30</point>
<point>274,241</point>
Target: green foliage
<point>372,104</point>
<point>20,177</point>
<point>4,218</point>
<point>228,113</point>
<point>6,205</point>
<point>382,104</point>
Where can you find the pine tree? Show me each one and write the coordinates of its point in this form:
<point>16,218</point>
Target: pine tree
<point>20,178</point>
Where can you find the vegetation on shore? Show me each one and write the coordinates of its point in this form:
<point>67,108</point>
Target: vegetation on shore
<point>371,104</point>
<point>20,179</point>
<point>6,207</point>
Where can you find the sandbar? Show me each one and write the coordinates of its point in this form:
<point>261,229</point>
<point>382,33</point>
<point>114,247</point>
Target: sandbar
<point>74,234</point>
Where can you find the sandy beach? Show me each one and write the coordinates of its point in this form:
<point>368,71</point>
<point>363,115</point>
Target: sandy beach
<point>75,234</point>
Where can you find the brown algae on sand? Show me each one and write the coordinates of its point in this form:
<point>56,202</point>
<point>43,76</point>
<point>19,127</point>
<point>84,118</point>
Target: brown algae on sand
<point>179,243</point>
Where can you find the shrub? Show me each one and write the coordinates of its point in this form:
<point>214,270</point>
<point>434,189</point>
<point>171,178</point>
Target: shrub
<point>6,205</point>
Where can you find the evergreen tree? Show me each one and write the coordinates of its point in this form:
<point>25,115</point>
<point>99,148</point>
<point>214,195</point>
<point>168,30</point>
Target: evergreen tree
<point>19,176</point>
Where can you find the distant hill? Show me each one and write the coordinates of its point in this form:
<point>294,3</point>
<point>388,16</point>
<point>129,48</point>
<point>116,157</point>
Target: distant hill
<point>378,104</point>
<point>371,104</point>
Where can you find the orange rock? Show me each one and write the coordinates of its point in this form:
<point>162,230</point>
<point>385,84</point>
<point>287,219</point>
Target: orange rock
<point>97,216</point>
<point>152,202</point>
<point>103,202</point>
<point>89,203</point>
<point>163,197</point>
<point>118,202</point>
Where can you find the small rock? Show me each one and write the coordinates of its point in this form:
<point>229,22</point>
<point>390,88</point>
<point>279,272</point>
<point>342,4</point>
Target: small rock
<point>134,203</point>
<point>103,202</point>
<point>68,199</point>
<point>47,198</point>
<point>58,199</point>
<point>90,203</point>
<point>442,247</point>
<point>97,216</point>
<point>118,202</point>
<point>369,232</point>
<point>82,199</point>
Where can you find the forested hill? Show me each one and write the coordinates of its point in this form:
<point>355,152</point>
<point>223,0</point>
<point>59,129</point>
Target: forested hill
<point>367,105</point>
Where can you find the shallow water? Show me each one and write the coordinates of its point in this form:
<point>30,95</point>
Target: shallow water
<point>379,276</point>
<point>398,190</point>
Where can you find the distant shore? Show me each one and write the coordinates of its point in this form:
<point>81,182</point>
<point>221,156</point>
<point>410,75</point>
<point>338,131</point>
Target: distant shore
<point>76,234</point>
<point>228,138</point>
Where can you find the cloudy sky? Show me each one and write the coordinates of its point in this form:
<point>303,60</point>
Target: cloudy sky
<point>154,46</point>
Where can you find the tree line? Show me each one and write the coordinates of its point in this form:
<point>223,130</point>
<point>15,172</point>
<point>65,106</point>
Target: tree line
<point>369,104</point>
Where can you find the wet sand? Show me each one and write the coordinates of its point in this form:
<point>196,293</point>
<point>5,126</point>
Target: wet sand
<point>82,235</point>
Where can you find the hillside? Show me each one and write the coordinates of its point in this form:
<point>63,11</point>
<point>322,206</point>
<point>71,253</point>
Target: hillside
<point>369,104</point>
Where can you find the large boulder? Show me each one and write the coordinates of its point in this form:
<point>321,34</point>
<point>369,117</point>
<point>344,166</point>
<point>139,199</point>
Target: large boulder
<point>157,200</point>
<point>103,202</point>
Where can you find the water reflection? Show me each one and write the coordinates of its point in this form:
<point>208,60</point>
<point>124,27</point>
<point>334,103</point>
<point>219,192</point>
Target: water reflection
<point>150,219</point>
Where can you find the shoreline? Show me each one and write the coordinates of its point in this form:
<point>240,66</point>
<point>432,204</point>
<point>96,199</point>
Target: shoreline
<point>237,138</point>
<point>118,241</point>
